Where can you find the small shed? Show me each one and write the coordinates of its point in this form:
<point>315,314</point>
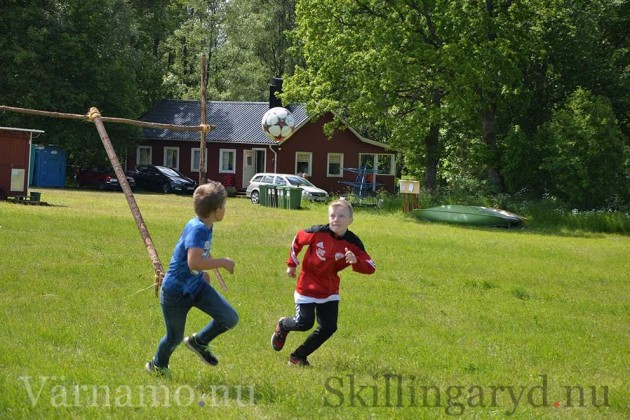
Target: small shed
<point>15,160</point>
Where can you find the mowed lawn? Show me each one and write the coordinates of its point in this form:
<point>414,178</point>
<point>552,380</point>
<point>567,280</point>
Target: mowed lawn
<point>478,323</point>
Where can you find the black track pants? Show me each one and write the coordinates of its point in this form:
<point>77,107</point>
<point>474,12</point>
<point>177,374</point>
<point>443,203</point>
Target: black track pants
<point>304,320</point>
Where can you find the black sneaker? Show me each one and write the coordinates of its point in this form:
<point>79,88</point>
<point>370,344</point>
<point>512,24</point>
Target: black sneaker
<point>202,351</point>
<point>156,370</point>
<point>298,361</point>
<point>279,336</point>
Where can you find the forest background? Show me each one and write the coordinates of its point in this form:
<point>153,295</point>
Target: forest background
<point>528,99</point>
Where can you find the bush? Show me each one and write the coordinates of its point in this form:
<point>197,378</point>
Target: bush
<point>584,152</point>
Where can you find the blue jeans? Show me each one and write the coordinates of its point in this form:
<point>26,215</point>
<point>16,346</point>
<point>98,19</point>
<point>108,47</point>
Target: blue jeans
<point>175,307</point>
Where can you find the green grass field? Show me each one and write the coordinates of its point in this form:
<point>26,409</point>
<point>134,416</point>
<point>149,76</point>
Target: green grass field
<point>456,321</point>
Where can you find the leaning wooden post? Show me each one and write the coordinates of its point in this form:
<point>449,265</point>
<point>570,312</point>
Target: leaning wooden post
<point>95,116</point>
<point>202,143</point>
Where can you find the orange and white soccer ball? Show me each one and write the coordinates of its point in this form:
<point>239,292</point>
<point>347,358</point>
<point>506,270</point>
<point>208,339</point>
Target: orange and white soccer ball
<point>278,124</point>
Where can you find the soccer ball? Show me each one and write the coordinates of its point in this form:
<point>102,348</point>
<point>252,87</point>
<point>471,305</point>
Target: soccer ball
<point>278,124</point>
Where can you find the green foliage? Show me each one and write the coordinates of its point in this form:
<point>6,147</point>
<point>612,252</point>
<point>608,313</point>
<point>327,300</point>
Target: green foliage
<point>584,152</point>
<point>197,34</point>
<point>231,191</point>
<point>245,43</point>
<point>522,158</point>
<point>70,57</point>
<point>551,215</point>
<point>487,75</point>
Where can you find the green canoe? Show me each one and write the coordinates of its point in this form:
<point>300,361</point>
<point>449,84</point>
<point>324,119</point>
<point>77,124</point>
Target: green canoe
<point>470,215</point>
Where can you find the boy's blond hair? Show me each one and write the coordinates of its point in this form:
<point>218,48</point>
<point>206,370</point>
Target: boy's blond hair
<point>208,198</point>
<point>342,202</point>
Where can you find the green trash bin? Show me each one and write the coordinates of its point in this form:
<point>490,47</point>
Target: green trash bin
<point>272,197</point>
<point>294,198</point>
<point>263,193</point>
<point>282,196</point>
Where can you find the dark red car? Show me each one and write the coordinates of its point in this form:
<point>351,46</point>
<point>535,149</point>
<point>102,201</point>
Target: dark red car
<point>101,178</point>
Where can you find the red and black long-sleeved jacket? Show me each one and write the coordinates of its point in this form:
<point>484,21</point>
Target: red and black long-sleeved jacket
<point>324,258</point>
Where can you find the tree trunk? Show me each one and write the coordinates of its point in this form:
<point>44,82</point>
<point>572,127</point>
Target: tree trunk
<point>489,134</point>
<point>430,170</point>
<point>431,143</point>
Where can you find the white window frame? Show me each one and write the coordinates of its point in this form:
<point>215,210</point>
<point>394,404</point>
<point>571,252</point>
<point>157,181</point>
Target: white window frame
<point>375,158</point>
<point>168,150</point>
<point>229,170</point>
<point>139,150</point>
<point>331,175</point>
<point>310,162</point>
<point>392,162</point>
<point>194,164</point>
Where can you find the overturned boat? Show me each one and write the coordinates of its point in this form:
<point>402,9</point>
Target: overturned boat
<point>470,215</point>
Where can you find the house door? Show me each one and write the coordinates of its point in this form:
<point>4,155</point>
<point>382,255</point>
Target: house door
<point>261,160</point>
<point>248,167</point>
<point>254,161</point>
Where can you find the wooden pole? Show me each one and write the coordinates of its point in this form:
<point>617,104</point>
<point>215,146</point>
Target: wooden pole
<point>95,116</point>
<point>202,143</point>
<point>62,115</point>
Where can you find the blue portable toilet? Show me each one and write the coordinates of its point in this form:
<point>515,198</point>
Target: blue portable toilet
<point>50,167</point>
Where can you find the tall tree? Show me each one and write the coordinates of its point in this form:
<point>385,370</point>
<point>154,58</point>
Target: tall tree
<point>200,32</point>
<point>246,42</point>
<point>271,43</point>
<point>401,62</point>
<point>582,46</point>
<point>71,56</point>
<point>375,64</point>
<point>469,71</point>
<point>257,39</point>
<point>157,19</point>
<point>584,152</point>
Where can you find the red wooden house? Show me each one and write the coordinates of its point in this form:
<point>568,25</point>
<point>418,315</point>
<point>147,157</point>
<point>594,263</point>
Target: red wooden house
<point>238,148</point>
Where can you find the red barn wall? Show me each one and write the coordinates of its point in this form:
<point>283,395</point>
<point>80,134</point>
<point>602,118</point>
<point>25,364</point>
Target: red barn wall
<point>185,150</point>
<point>311,138</point>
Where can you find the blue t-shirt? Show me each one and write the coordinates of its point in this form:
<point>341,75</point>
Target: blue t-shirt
<point>179,277</point>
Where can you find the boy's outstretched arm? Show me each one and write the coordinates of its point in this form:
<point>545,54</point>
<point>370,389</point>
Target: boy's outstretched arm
<point>197,262</point>
<point>360,261</point>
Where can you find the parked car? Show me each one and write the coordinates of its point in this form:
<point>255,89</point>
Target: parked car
<point>162,179</point>
<point>309,191</point>
<point>101,178</point>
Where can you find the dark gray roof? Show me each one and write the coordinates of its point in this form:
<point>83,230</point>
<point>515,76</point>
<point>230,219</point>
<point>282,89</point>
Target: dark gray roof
<point>236,122</point>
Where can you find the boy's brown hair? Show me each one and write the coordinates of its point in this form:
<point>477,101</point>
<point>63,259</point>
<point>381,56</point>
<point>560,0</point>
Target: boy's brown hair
<point>342,202</point>
<point>208,198</point>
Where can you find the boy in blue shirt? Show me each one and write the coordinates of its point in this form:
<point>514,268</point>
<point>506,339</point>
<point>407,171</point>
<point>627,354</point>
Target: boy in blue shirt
<point>186,283</point>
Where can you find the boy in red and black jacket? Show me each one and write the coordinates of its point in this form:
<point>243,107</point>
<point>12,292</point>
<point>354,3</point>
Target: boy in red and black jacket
<point>331,248</point>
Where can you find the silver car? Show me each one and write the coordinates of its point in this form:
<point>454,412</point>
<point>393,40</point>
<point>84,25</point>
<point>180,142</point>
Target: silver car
<point>309,191</point>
